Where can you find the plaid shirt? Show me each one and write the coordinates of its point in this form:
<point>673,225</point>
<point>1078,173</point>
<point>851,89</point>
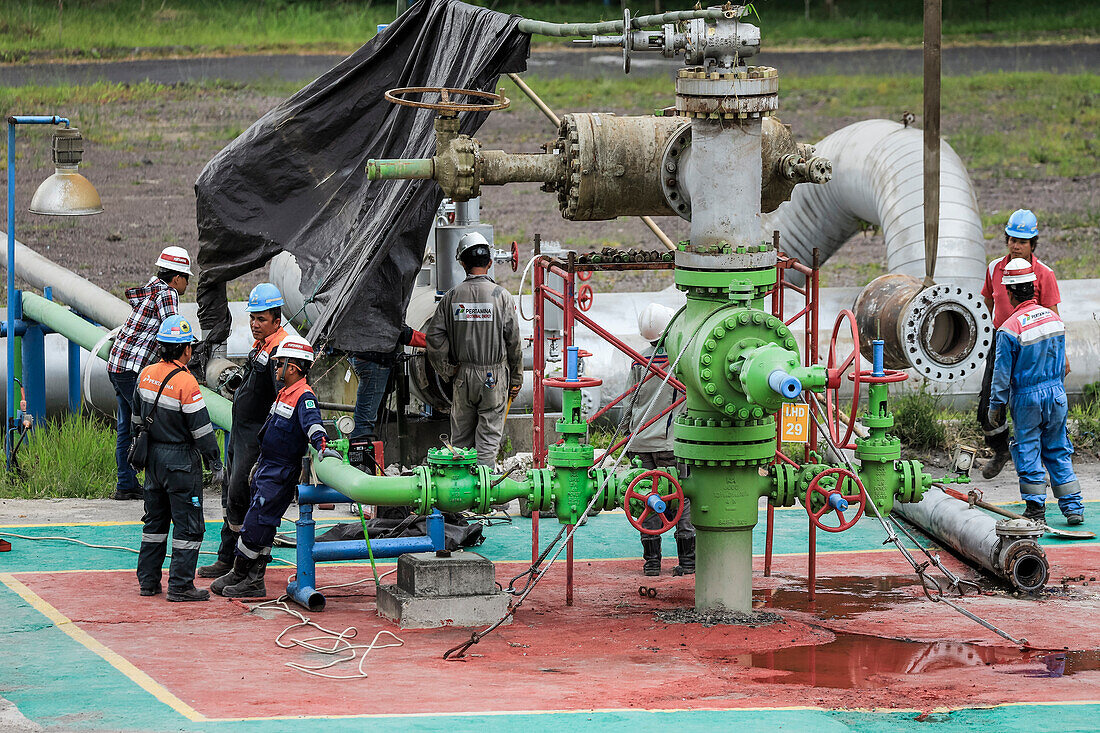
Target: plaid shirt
<point>133,347</point>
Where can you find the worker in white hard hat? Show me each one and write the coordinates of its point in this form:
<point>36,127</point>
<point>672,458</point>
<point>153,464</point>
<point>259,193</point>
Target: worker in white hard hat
<point>473,340</point>
<point>1028,379</point>
<point>134,347</point>
<point>1021,239</point>
<point>652,442</point>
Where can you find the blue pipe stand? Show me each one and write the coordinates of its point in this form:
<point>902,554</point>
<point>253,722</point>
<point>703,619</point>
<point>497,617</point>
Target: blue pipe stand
<point>302,588</point>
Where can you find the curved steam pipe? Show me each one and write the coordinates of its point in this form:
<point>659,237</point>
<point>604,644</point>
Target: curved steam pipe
<point>878,178</point>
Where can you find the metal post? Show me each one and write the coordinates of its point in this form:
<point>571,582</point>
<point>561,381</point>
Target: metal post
<point>11,295</point>
<point>74,377</point>
<point>569,567</point>
<point>538,407</point>
<point>933,21</point>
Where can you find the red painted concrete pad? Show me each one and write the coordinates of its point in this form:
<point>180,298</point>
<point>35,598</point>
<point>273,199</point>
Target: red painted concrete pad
<point>609,651</point>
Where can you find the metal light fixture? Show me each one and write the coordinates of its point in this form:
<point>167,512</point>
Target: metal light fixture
<point>66,192</point>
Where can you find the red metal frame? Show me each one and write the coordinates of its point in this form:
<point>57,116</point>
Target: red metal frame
<point>811,298</point>
<point>570,271</point>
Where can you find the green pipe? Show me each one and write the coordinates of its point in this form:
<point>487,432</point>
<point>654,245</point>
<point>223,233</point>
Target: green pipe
<point>541,28</point>
<point>365,488</point>
<point>398,168</point>
<point>76,329</point>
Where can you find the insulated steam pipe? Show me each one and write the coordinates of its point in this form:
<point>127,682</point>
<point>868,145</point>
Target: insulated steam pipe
<point>1008,548</point>
<point>878,178</point>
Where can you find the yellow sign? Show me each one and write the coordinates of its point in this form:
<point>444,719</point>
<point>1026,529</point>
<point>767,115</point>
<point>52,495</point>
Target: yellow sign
<point>795,423</point>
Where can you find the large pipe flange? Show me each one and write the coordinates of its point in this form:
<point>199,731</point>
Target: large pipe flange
<point>942,332</point>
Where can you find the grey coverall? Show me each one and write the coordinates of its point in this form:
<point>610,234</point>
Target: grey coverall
<point>180,437</point>
<point>654,444</point>
<point>473,339</point>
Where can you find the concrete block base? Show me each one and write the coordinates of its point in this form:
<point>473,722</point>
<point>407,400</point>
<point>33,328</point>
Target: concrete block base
<point>442,591</point>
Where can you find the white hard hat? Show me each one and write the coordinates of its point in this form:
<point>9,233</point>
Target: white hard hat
<point>294,347</point>
<point>469,241</point>
<point>1017,272</point>
<point>653,321</point>
<point>175,259</point>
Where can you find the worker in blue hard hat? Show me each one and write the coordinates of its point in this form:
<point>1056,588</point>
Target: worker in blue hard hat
<point>1021,239</point>
<point>134,346</point>
<point>292,425</point>
<point>251,403</point>
<point>169,405</point>
<point>1028,379</point>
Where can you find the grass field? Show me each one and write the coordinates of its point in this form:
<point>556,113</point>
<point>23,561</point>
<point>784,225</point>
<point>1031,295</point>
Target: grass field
<point>34,29</point>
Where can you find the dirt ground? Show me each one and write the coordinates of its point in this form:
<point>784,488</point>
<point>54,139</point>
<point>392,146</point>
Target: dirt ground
<point>145,156</point>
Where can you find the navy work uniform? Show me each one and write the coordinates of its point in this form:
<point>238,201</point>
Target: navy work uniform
<point>180,436</point>
<point>292,425</point>
<point>252,403</point>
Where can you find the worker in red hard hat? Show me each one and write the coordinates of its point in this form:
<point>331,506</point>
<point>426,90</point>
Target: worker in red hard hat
<point>1028,378</point>
<point>1021,239</point>
<point>134,347</point>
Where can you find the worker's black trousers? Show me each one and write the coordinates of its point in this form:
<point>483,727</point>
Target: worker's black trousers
<point>173,498</point>
<point>240,456</point>
<point>996,436</point>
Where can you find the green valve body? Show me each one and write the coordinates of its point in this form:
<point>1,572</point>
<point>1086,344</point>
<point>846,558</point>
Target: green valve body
<point>885,476</point>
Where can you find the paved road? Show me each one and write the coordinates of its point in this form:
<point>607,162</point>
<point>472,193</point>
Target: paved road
<point>1067,59</point>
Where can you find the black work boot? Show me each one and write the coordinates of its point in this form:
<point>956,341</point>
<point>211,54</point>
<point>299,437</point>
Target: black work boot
<point>241,566</point>
<point>1036,511</point>
<point>651,553</point>
<point>685,551</point>
<point>252,586</point>
<point>150,590</point>
<point>216,570</point>
<point>189,594</point>
<point>995,465</point>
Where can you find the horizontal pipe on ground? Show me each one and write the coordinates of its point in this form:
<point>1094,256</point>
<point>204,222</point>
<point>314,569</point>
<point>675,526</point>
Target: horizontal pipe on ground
<point>977,536</point>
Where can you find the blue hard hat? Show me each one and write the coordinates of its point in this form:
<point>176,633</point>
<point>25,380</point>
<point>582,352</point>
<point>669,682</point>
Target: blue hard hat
<point>264,297</point>
<point>175,330</point>
<point>1022,225</point>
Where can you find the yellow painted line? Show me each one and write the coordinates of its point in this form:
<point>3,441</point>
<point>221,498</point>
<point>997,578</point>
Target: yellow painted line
<point>70,524</point>
<point>112,658</point>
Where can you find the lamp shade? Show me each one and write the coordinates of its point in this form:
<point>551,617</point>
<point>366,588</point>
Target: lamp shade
<point>66,193</point>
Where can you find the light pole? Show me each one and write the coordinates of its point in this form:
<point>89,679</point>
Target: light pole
<point>65,193</point>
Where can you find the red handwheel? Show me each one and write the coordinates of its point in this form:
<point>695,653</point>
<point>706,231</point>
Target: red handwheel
<point>584,275</point>
<point>654,476</point>
<point>827,505</point>
<point>585,296</point>
<point>836,368</point>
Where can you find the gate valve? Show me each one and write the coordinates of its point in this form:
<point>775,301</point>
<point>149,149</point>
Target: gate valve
<point>653,502</point>
<point>835,500</point>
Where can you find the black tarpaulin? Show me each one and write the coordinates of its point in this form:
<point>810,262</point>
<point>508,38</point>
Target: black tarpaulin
<point>296,179</point>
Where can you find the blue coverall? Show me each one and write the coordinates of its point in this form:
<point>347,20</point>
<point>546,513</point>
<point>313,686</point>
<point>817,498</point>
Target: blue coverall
<point>293,423</point>
<point>1028,376</point>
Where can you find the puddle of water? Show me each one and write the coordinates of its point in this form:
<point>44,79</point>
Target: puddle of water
<point>840,596</point>
<point>1065,664</point>
<point>853,661</point>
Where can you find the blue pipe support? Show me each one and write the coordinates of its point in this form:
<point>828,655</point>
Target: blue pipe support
<point>784,384</point>
<point>302,589</point>
<point>21,326</point>
<point>74,377</point>
<point>14,310</point>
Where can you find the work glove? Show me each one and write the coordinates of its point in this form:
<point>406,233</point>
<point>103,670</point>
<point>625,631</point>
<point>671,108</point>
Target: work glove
<point>997,415</point>
<point>330,453</point>
<point>217,475</point>
<point>418,340</point>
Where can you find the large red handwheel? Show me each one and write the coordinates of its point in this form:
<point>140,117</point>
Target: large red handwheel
<point>654,476</point>
<point>515,256</point>
<point>585,296</point>
<point>843,476</point>
<point>836,369</point>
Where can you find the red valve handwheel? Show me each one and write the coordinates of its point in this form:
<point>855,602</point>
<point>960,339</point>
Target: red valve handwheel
<point>889,376</point>
<point>836,369</point>
<point>585,296</point>
<point>815,487</point>
<point>654,476</point>
<point>584,275</point>
<point>515,256</point>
